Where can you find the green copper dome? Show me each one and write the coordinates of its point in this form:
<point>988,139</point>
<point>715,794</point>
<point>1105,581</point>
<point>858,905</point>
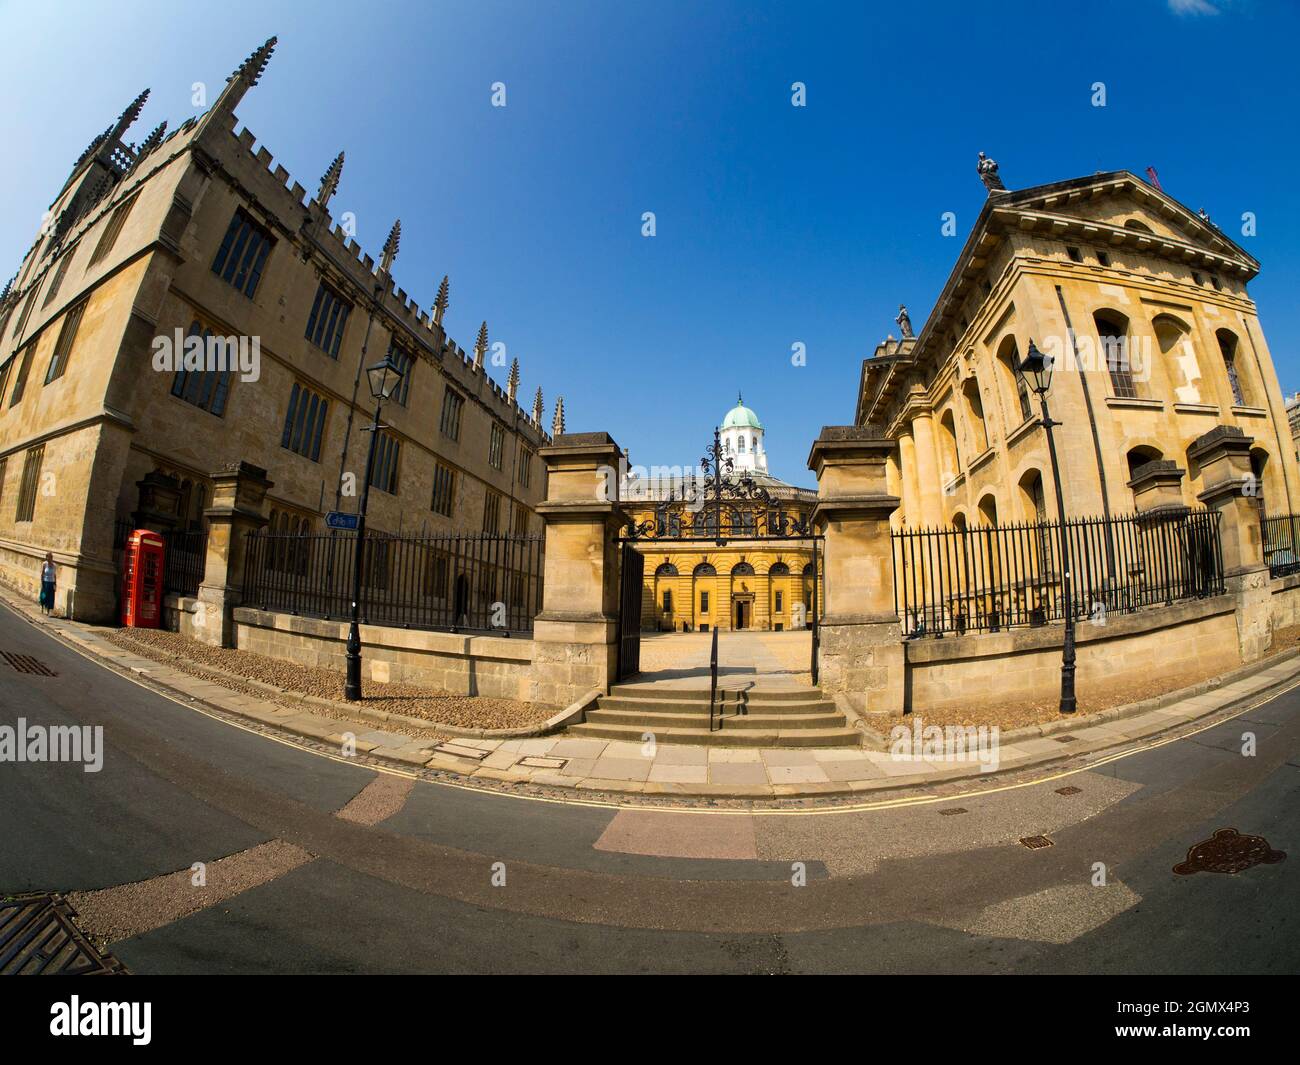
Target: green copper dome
<point>741,417</point>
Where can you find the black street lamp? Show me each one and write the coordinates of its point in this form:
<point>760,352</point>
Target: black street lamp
<point>1035,370</point>
<point>384,377</point>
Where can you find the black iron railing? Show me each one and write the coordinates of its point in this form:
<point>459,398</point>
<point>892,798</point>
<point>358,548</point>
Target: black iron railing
<point>1281,535</point>
<point>950,581</point>
<point>467,583</point>
<point>184,560</point>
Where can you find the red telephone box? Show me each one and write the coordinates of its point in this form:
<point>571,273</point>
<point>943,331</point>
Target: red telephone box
<point>142,580</point>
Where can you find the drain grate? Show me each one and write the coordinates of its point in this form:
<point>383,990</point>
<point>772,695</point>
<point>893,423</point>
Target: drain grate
<point>38,938</point>
<point>1228,851</point>
<point>1069,789</point>
<point>953,810</point>
<point>1035,843</point>
<point>27,664</point>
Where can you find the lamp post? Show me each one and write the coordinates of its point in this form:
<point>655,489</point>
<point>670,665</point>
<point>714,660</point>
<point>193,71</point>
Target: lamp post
<point>1035,370</point>
<point>384,377</point>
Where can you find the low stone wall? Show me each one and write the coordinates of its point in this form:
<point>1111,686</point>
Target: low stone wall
<point>1286,600</point>
<point>495,666</point>
<point>1022,664</point>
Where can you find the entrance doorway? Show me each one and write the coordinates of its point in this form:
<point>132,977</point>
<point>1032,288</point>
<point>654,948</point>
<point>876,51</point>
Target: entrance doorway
<point>744,613</point>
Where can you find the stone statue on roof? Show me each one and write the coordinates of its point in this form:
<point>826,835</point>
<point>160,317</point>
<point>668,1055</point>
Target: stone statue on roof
<point>988,171</point>
<point>904,321</point>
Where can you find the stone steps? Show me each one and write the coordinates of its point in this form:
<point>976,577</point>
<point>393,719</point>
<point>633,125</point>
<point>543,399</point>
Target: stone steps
<point>748,717</point>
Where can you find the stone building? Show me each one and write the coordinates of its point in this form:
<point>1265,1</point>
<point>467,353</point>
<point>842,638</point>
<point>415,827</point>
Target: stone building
<point>197,234</point>
<point>697,585</point>
<point>1144,307</point>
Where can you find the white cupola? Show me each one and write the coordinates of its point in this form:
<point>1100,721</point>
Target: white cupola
<point>742,439</point>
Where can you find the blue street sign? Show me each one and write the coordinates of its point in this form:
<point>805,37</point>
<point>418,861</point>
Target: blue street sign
<point>336,519</point>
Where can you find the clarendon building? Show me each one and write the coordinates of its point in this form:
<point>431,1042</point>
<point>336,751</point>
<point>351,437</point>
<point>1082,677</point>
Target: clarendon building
<point>693,584</point>
<point>1142,306</point>
<point>106,425</point>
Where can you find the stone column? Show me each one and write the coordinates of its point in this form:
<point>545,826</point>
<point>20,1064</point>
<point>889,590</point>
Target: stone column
<point>1223,455</point>
<point>927,468</point>
<point>575,636</point>
<point>911,485</point>
<point>238,505</point>
<point>862,652</point>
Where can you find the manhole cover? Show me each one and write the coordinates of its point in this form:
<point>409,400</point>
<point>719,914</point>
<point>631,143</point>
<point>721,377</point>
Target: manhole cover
<point>953,810</point>
<point>1069,789</point>
<point>38,938</point>
<point>1228,851</point>
<point>1066,739</point>
<point>27,664</point>
<point>1035,842</point>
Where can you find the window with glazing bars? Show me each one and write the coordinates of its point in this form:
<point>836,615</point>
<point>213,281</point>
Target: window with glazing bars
<point>444,485</point>
<point>243,253</point>
<point>452,404</point>
<point>205,389</point>
<point>405,362</point>
<point>31,481</point>
<point>59,275</point>
<point>304,422</point>
<point>329,314</point>
<point>20,381</point>
<point>67,337</point>
<point>496,446</point>
<point>115,223</point>
<point>492,513</point>
<point>525,466</point>
<point>387,452</point>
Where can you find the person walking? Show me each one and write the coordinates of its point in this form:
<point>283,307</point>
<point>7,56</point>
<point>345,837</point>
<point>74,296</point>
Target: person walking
<point>49,574</point>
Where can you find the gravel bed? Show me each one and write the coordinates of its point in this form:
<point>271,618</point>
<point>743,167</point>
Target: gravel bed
<point>437,707</point>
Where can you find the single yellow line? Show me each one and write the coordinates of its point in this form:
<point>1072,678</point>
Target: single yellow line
<point>883,804</point>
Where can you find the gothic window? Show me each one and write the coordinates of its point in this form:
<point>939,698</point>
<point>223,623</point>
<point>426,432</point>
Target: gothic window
<point>205,389</point>
<point>329,315</point>
<point>67,336</point>
<point>388,450</point>
<point>304,422</point>
<point>242,253</point>
<point>115,223</point>
<point>444,482</point>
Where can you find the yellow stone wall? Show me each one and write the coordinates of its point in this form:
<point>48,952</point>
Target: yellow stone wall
<point>759,590</point>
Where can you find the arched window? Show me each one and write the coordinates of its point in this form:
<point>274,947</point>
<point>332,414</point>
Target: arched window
<point>741,445</point>
<point>705,569</point>
<point>1140,227</point>
<point>948,444</point>
<point>1228,349</point>
<point>1140,456</point>
<point>779,569</point>
<point>1008,356</point>
<point>1031,496</point>
<point>1113,347</point>
<point>666,569</point>
<point>1258,466</point>
<point>742,569</point>
<point>975,409</point>
<point>988,509</point>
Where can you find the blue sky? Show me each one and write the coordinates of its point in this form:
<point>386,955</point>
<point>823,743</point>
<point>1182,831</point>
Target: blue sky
<point>775,224</point>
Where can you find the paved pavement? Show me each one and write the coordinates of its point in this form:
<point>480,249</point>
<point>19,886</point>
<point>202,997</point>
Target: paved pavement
<point>681,659</point>
<point>317,863</point>
<point>651,769</point>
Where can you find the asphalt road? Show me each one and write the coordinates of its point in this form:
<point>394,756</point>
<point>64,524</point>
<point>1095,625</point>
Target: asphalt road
<point>333,867</point>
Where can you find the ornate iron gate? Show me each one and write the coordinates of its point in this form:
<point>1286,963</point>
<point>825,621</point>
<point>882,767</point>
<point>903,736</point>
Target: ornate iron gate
<point>631,572</point>
<point>726,508</point>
